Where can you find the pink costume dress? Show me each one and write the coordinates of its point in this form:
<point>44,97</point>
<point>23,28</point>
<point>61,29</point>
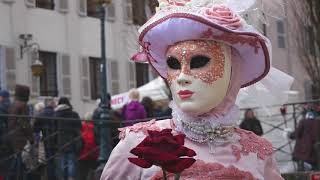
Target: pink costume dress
<point>246,157</point>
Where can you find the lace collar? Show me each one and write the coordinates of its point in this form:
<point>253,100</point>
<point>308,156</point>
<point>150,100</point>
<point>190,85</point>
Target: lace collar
<point>213,129</point>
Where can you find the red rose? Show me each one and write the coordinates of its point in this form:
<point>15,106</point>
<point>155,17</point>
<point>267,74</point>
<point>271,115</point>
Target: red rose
<point>164,150</point>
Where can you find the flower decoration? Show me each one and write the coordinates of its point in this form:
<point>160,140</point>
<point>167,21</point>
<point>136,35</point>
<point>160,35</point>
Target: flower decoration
<point>174,2</point>
<point>283,110</point>
<point>165,150</point>
<point>222,15</point>
<point>178,2</point>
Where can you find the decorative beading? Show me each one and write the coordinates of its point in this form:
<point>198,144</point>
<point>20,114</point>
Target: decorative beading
<point>209,171</point>
<point>139,127</point>
<point>214,130</point>
<point>250,142</point>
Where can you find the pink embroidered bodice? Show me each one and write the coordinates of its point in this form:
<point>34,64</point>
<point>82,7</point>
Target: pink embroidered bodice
<point>248,157</point>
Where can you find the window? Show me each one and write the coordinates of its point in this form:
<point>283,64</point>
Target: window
<point>281,34</point>
<point>7,68</point>
<point>131,75</point>
<point>127,11</point>
<point>45,4</point>
<point>95,77</point>
<point>142,74</point>
<point>48,80</point>
<point>308,90</point>
<point>92,8</point>
<point>309,42</point>
<point>139,16</point>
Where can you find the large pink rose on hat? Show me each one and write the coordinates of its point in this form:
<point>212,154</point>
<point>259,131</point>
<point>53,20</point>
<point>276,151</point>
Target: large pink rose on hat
<point>222,15</point>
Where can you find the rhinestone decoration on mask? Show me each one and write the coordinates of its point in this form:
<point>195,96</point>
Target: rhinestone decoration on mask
<point>184,51</point>
<point>210,129</point>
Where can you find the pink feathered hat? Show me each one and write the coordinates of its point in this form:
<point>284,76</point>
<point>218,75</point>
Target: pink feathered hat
<point>218,20</point>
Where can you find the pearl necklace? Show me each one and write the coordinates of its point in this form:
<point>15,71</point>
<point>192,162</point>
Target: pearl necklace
<point>204,129</point>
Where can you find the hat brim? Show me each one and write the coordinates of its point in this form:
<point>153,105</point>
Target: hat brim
<point>161,33</point>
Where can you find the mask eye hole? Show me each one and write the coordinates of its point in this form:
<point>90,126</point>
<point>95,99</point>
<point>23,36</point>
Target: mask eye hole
<point>199,61</point>
<point>173,63</point>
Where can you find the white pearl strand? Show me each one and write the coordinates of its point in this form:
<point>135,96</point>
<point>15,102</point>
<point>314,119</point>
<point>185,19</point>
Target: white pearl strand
<point>201,132</point>
<point>214,130</point>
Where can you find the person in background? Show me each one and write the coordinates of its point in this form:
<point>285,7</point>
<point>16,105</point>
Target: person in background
<point>306,137</point>
<point>148,105</point>
<point>115,116</point>
<point>134,110</point>
<point>69,138</point>
<point>38,108</point>
<point>47,125</point>
<point>20,130</point>
<point>90,151</point>
<point>97,115</point>
<point>251,123</point>
<point>4,147</point>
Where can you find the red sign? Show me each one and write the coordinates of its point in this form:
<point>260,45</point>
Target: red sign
<point>315,176</point>
<point>117,100</point>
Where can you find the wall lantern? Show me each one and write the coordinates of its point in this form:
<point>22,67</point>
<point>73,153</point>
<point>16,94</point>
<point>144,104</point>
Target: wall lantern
<point>26,45</point>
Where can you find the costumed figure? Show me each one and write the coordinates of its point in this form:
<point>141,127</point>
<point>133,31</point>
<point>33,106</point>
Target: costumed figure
<point>206,52</point>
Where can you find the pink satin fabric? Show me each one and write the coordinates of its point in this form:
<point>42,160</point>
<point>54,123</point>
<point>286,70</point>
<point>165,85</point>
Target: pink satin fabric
<point>247,166</point>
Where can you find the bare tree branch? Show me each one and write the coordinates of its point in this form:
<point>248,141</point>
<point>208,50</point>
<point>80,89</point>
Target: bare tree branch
<point>306,28</point>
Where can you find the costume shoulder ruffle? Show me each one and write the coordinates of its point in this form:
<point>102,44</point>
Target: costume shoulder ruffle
<point>144,127</point>
<point>251,143</point>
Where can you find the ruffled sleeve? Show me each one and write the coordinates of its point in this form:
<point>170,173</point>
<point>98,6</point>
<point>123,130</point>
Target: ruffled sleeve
<point>271,170</point>
<point>118,165</point>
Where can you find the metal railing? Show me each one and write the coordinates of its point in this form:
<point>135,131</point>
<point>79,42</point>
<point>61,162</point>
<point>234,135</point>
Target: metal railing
<point>292,117</point>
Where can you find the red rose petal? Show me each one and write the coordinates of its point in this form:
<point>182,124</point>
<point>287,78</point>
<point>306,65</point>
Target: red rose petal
<point>140,162</point>
<point>184,151</point>
<point>180,138</point>
<point>180,165</point>
<point>154,154</point>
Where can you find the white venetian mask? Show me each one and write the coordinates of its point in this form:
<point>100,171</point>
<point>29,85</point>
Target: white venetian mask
<point>198,74</point>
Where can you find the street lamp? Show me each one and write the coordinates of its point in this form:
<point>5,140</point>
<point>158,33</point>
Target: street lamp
<point>37,67</point>
<point>104,131</point>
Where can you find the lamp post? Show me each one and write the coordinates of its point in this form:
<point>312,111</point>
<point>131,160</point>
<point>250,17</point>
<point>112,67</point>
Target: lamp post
<point>104,131</point>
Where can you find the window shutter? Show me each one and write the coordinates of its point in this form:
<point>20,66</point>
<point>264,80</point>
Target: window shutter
<point>64,75</point>
<point>85,78</point>
<point>82,6</point>
<point>127,11</point>
<point>111,12</point>
<point>114,76</point>
<point>308,90</point>
<point>10,68</point>
<point>131,75</point>
<point>30,3</point>
<point>63,6</point>
<point>33,81</point>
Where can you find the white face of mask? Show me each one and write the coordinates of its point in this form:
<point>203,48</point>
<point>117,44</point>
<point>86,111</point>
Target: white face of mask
<point>198,74</point>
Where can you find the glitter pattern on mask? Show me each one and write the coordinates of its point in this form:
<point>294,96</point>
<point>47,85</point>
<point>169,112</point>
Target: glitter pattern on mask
<point>184,51</point>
